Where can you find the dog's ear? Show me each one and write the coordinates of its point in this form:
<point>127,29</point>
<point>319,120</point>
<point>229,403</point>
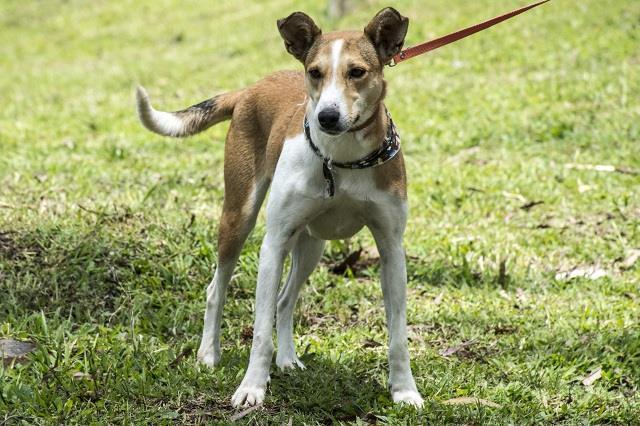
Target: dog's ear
<point>299,33</point>
<point>387,31</point>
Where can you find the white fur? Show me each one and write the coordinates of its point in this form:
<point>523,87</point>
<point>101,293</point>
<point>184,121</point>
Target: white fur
<point>332,96</point>
<point>305,256</point>
<point>164,123</point>
<point>300,215</point>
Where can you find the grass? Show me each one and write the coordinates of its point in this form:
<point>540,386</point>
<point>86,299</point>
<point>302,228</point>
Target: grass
<point>107,232</point>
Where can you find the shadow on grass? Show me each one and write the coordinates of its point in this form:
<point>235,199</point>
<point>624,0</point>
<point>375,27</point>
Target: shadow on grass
<point>359,263</point>
<point>49,270</point>
<point>331,390</point>
<point>86,271</point>
<point>326,392</point>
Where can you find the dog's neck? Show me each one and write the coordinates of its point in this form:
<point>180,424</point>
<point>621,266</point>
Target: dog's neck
<point>350,146</point>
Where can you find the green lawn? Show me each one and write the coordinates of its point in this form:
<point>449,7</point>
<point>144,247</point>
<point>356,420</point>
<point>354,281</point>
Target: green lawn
<point>108,232</point>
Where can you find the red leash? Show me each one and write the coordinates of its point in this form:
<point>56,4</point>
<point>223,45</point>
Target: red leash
<point>450,38</point>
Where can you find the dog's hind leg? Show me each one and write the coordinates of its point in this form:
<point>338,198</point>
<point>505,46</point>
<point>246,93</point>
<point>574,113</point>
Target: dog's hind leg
<point>245,190</point>
<point>304,258</point>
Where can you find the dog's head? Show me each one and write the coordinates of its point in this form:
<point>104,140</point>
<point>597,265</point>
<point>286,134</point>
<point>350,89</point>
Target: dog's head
<point>343,70</point>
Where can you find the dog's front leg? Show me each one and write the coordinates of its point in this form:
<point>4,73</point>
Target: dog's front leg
<point>304,258</point>
<point>274,248</point>
<point>387,231</point>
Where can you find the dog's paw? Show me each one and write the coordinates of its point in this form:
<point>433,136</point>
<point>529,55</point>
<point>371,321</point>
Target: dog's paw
<point>210,358</point>
<point>248,395</point>
<point>408,397</point>
<point>289,361</point>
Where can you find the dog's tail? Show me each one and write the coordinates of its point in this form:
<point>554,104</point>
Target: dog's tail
<point>188,121</point>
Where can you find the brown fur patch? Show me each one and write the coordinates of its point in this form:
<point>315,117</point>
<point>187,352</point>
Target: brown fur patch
<point>262,118</point>
<point>391,177</point>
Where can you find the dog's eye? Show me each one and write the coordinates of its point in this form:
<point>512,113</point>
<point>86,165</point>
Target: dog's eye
<point>357,72</point>
<point>315,74</point>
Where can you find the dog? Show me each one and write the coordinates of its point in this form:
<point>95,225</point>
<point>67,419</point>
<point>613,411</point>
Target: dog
<point>325,144</point>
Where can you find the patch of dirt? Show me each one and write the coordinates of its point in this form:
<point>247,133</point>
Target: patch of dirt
<point>246,335</point>
<point>317,319</point>
<point>199,410</point>
<point>470,350</point>
<point>13,247</point>
<point>501,329</point>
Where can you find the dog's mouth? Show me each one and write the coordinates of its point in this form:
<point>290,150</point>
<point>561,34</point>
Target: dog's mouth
<point>332,132</point>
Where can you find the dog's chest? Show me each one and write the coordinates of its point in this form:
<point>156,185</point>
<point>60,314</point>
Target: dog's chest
<point>300,186</point>
<point>299,170</point>
<point>339,219</point>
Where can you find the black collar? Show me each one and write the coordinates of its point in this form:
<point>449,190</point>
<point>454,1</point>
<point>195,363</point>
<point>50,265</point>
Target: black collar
<point>390,147</point>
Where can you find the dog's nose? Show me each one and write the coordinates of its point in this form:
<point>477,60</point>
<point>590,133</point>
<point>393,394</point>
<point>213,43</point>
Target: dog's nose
<point>328,118</point>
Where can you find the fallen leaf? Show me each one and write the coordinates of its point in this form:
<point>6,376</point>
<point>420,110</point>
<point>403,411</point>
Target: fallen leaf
<point>474,189</point>
<point>368,343</point>
<point>601,168</point>
<point>627,171</point>
<point>504,295</point>
<point>631,259</point>
<point>244,413</point>
<point>468,400</point>
<point>79,375</point>
<point>464,154</point>
<point>356,261</point>
<point>438,299</point>
<point>454,349</point>
<point>591,378</point>
<point>518,197</point>
<point>590,272</point>
<point>542,226</point>
<point>585,188</point>
<point>15,350</point>
<point>521,295</point>
<point>530,205</point>
<point>371,253</point>
<point>170,415</point>
<point>596,167</point>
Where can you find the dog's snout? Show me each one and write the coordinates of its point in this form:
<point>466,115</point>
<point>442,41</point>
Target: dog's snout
<point>329,118</point>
